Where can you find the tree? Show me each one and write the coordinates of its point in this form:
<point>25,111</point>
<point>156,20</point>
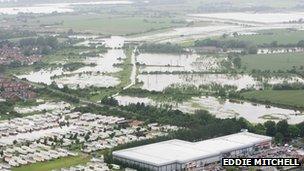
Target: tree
<point>70,32</point>
<point>270,128</point>
<point>252,49</point>
<point>274,44</point>
<point>237,62</point>
<point>282,127</point>
<point>279,138</point>
<point>294,131</point>
<point>300,43</point>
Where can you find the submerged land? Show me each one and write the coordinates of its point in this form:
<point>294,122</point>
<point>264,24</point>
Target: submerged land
<point>116,74</point>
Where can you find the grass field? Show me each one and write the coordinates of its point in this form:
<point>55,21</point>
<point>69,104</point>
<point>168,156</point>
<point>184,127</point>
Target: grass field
<point>290,98</point>
<point>283,36</point>
<point>273,62</point>
<point>55,164</point>
<point>125,73</point>
<point>104,24</point>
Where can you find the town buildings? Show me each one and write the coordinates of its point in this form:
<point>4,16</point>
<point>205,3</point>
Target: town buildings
<point>13,90</point>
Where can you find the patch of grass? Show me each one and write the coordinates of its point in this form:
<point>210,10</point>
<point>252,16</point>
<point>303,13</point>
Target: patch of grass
<point>106,92</point>
<point>273,62</point>
<point>125,73</point>
<point>55,164</point>
<point>284,98</point>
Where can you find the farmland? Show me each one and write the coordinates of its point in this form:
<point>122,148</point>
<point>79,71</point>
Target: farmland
<point>273,62</point>
<point>104,24</point>
<point>290,98</point>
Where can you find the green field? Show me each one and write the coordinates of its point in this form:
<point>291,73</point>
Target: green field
<point>273,62</point>
<point>289,98</point>
<point>54,164</point>
<point>100,23</point>
<point>283,36</point>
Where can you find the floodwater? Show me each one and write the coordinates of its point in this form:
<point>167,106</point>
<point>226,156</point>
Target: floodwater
<point>226,23</point>
<point>104,63</point>
<point>88,75</point>
<point>171,62</point>
<point>195,32</point>
<point>159,82</point>
<point>221,108</point>
<point>56,7</point>
<point>87,80</point>
<point>256,113</point>
<point>42,76</point>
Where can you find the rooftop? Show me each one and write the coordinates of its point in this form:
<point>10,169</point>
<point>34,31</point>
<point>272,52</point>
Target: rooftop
<point>172,151</point>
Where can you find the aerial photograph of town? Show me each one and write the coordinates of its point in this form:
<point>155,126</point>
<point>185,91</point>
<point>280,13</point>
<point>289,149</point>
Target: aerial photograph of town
<point>151,85</point>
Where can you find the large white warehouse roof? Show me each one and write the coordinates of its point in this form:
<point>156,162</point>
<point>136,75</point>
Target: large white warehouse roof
<point>172,151</point>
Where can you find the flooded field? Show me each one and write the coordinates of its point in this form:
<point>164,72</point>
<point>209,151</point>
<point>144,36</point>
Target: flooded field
<point>56,7</point>
<point>226,23</point>
<point>87,80</point>
<point>255,113</point>
<point>188,32</point>
<point>171,62</point>
<point>42,76</point>
<point>104,63</point>
<point>88,75</point>
<point>159,82</point>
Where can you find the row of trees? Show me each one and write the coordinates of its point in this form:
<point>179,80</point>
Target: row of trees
<point>277,44</point>
<point>282,131</point>
<point>288,86</point>
<point>225,44</point>
<point>51,93</point>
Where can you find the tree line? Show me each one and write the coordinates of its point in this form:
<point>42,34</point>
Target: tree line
<point>249,48</point>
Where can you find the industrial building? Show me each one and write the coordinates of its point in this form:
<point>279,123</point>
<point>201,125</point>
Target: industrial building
<point>177,155</point>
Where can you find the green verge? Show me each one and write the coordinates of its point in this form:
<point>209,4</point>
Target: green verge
<point>55,164</point>
<point>125,73</point>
